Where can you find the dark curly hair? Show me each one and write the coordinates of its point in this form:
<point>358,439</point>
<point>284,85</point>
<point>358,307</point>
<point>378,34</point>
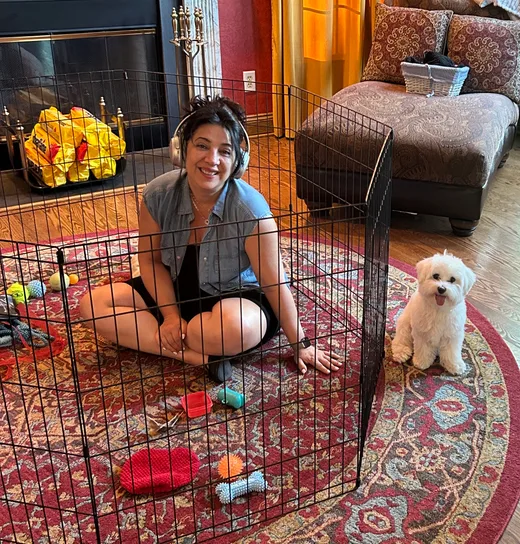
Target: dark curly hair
<point>221,111</point>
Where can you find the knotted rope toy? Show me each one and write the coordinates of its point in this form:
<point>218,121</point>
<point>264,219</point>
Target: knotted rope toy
<point>229,491</point>
<point>13,331</point>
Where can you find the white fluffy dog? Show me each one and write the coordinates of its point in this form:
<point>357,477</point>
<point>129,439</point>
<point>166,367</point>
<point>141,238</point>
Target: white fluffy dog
<point>433,321</point>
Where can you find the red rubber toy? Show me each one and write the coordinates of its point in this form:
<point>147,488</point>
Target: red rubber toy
<point>159,470</point>
<point>197,404</point>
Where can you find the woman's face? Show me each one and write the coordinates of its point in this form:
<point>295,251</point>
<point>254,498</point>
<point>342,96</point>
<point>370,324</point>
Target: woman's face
<point>209,158</point>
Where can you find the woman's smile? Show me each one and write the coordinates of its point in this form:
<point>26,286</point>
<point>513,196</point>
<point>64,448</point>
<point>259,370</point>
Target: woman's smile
<point>210,173</point>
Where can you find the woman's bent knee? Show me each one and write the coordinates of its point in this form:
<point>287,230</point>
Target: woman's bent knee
<point>95,304</point>
<point>241,323</point>
<point>86,310</point>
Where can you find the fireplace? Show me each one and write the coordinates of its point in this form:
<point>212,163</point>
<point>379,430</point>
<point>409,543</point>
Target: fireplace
<point>66,52</point>
<point>103,56</point>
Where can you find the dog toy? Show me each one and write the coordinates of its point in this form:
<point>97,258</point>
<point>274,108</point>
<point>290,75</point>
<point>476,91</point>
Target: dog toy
<point>157,470</point>
<point>55,281</point>
<point>19,292</point>
<point>197,404</point>
<point>159,427</point>
<point>15,331</point>
<point>7,308</point>
<point>36,288</point>
<point>73,278</point>
<point>232,398</point>
<point>230,466</point>
<point>229,491</point>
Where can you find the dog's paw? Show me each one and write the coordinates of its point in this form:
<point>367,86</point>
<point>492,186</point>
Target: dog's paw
<point>401,352</point>
<point>421,363</point>
<point>456,367</point>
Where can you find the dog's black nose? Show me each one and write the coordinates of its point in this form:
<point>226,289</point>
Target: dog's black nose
<point>441,290</point>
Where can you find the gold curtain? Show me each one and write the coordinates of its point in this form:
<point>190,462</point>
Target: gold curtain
<point>319,46</point>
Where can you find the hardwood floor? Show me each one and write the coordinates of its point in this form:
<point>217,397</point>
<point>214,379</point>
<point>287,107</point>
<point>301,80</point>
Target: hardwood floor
<point>493,251</point>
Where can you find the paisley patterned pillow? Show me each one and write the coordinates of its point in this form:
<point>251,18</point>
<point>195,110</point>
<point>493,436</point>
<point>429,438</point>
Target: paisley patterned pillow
<point>460,7</point>
<point>400,32</point>
<point>491,49</point>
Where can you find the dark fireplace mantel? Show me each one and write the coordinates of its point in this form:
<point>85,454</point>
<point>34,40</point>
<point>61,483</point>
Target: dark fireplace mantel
<point>27,17</point>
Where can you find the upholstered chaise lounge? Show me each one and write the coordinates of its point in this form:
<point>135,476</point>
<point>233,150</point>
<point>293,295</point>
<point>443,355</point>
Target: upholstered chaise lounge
<point>446,149</point>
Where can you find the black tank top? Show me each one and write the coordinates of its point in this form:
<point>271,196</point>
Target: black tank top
<point>187,282</point>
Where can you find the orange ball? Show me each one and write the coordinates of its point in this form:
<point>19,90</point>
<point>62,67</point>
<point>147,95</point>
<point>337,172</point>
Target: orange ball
<point>74,278</point>
<point>230,466</point>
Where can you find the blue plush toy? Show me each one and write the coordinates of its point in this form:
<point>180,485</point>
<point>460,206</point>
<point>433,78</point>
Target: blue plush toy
<point>229,491</point>
<point>36,288</point>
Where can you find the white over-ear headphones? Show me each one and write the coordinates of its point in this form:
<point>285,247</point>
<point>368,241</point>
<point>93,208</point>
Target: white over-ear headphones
<point>176,151</point>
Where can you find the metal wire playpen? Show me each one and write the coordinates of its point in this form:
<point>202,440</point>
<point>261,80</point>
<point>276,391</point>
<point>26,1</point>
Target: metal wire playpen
<point>84,422</point>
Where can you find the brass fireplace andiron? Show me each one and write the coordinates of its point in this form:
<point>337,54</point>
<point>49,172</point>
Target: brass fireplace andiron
<point>191,47</point>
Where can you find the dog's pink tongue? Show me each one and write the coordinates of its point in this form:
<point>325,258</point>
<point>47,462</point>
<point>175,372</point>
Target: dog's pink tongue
<point>440,300</point>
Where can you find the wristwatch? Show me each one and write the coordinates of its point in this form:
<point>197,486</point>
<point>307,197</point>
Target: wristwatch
<point>304,343</point>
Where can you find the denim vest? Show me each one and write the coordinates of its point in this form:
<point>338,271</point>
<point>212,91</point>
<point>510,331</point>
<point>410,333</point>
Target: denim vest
<point>223,262</point>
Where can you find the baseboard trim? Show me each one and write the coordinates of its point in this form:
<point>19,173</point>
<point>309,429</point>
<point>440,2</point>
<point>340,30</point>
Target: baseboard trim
<point>259,124</point>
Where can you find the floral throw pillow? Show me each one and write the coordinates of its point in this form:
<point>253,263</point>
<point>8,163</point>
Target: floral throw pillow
<point>402,32</point>
<point>491,49</point>
<point>460,7</point>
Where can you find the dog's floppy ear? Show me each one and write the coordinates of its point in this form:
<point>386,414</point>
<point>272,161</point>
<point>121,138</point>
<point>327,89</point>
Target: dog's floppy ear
<point>423,269</point>
<point>468,280</point>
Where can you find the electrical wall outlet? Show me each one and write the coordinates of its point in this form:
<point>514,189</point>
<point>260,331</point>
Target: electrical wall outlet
<point>250,81</point>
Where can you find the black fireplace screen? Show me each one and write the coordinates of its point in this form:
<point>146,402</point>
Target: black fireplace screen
<point>31,71</point>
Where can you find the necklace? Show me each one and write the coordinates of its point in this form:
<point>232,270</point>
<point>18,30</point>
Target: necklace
<point>195,203</point>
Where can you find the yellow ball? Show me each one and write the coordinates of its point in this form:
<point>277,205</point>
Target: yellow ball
<point>55,281</point>
<point>74,278</point>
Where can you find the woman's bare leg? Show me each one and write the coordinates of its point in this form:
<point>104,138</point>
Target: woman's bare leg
<point>232,326</point>
<point>118,313</point>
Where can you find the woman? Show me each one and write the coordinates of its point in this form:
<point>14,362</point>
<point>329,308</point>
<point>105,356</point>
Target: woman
<point>209,287</point>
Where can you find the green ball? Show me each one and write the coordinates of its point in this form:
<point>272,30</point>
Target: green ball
<point>55,282</point>
<point>19,292</point>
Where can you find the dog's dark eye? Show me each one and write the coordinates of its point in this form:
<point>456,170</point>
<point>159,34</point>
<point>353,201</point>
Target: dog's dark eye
<point>436,277</point>
<point>452,280</point>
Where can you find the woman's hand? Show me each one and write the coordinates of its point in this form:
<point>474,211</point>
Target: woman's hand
<point>171,333</point>
<point>323,361</point>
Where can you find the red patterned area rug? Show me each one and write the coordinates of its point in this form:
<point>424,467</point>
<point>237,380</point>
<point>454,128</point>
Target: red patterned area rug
<point>440,464</point>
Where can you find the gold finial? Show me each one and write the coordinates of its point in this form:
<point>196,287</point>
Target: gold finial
<point>103,110</point>
<point>5,113</point>
<point>182,22</point>
<point>188,21</point>
<point>175,25</point>
<point>201,21</point>
<point>120,124</point>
